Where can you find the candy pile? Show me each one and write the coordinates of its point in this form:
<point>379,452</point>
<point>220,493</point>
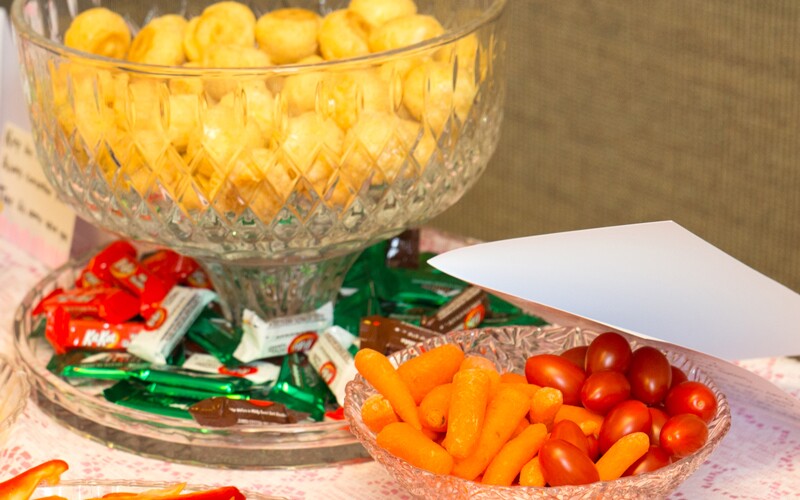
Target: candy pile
<point>593,413</point>
<point>149,331</point>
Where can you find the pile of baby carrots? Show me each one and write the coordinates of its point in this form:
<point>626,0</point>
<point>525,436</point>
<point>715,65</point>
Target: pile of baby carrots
<point>451,413</point>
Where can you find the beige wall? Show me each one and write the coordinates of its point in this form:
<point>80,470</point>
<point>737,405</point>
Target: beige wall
<point>641,110</point>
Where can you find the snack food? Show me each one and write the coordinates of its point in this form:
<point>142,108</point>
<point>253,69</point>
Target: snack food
<point>576,446</point>
<point>322,134</point>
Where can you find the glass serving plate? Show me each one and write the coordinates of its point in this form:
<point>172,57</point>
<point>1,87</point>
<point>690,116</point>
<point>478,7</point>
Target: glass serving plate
<point>14,390</point>
<point>84,490</point>
<point>84,410</point>
<point>509,348</point>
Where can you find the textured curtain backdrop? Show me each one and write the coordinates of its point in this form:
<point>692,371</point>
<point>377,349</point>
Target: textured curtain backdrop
<point>638,110</point>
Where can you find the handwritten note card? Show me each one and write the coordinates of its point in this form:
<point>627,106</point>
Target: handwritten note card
<point>31,214</point>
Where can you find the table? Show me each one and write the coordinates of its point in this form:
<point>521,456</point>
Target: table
<point>37,438</point>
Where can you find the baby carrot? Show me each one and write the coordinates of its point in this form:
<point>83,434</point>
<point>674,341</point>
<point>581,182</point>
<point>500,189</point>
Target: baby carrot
<point>513,378</point>
<point>503,414</point>
<point>588,421</point>
<point>377,412</point>
<point>529,389</point>
<point>410,444</point>
<point>622,454</point>
<point>509,461</point>
<point>481,363</point>
<point>430,369</point>
<point>434,408</point>
<point>470,394</point>
<point>378,371</point>
<point>545,404</point>
<point>531,473</point>
<point>521,426</point>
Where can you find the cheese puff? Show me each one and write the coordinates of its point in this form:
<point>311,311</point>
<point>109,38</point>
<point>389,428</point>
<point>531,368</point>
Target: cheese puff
<point>276,184</point>
<point>223,23</point>
<point>300,91</point>
<point>288,35</point>
<point>312,146</point>
<point>404,31</point>
<point>379,12</point>
<point>188,84</point>
<point>232,56</point>
<point>375,144</point>
<point>431,98</point>
<point>99,31</point>
<point>139,104</point>
<point>259,107</point>
<point>183,118</point>
<point>141,163</point>
<point>160,42</point>
<point>345,95</point>
<point>343,34</point>
<point>221,134</point>
<point>464,52</point>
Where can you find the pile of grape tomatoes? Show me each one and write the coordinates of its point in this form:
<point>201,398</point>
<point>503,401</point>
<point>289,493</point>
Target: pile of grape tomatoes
<point>634,391</point>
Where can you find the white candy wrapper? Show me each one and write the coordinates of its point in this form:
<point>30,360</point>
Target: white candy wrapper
<point>279,336</point>
<point>331,358</point>
<point>258,372</point>
<point>179,309</point>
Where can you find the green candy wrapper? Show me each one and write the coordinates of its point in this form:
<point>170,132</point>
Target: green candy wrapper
<point>134,395</point>
<point>186,393</point>
<point>217,336</point>
<point>349,309</point>
<point>206,383</point>
<point>101,366</point>
<point>300,387</point>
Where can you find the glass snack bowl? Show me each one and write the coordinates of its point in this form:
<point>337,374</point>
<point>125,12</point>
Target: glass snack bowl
<point>14,390</point>
<point>509,348</point>
<point>91,489</point>
<point>81,407</point>
<point>273,176</point>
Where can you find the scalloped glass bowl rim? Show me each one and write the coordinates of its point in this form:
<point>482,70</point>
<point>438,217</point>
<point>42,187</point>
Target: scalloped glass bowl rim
<point>23,29</point>
<point>719,428</point>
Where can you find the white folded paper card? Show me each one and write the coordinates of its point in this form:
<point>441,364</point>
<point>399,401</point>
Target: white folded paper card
<point>655,279</point>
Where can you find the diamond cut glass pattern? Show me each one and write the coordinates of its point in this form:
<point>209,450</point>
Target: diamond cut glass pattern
<point>270,166</point>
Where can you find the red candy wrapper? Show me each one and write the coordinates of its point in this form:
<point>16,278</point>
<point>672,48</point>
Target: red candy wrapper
<point>98,270</point>
<point>66,333</point>
<point>150,288</point>
<point>110,304</point>
<point>172,266</point>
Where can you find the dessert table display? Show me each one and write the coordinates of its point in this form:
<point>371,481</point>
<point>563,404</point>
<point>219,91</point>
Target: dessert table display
<point>757,459</point>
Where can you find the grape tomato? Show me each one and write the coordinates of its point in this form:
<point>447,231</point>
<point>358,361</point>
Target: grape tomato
<point>608,351</point>
<point>564,464</point>
<point>569,431</point>
<point>654,459</point>
<point>683,434</point>
<point>577,355</point>
<point>550,370</point>
<point>603,390</point>
<point>692,397</point>
<point>625,418</point>
<point>650,375</point>
<point>659,417</point>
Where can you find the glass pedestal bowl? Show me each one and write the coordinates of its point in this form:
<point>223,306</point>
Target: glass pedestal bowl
<point>509,348</point>
<point>274,177</point>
